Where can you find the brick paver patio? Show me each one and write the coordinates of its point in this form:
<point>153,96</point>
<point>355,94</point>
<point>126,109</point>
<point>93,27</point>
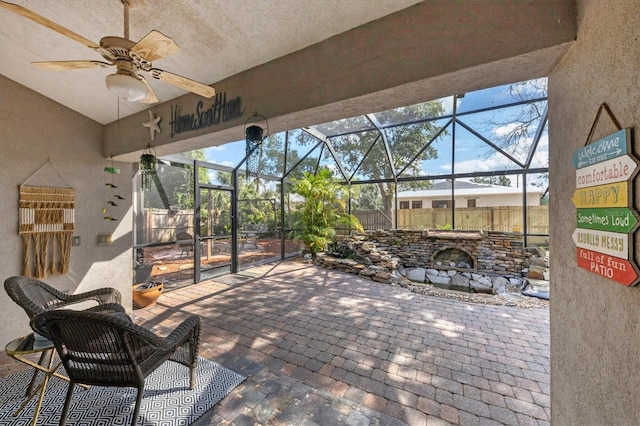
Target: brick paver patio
<point>324,347</point>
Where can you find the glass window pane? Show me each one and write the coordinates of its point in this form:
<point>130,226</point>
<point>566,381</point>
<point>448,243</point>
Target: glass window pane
<point>272,155</point>
<point>215,177</point>
<point>422,111</point>
<point>541,155</point>
<point>430,205</point>
<point>351,149</point>
<point>538,203</point>
<point>346,125</point>
<point>375,165</point>
<point>299,144</point>
<point>511,129</point>
<point>434,161</point>
<point>373,205</point>
<point>328,162</point>
<point>502,95</point>
<point>407,140</point>
<point>258,221</point>
<point>230,154</point>
<point>475,155</point>
<point>308,164</point>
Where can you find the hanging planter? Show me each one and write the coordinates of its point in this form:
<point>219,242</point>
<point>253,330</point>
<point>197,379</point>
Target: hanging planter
<point>147,167</point>
<point>254,135</point>
<point>146,294</point>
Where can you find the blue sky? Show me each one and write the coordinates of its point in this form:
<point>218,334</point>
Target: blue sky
<point>472,154</point>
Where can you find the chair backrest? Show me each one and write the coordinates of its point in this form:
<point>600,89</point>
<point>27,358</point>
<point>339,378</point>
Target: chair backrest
<point>102,349</point>
<point>34,296</point>
<point>184,239</point>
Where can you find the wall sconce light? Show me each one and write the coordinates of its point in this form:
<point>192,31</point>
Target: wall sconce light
<point>254,135</point>
<point>147,167</point>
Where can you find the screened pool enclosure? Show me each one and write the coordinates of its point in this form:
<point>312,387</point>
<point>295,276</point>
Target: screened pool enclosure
<point>473,161</point>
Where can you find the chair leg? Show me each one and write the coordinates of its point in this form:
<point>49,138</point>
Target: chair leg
<point>192,378</point>
<point>136,410</point>
<point>41,361</point>
<point>67,404</point>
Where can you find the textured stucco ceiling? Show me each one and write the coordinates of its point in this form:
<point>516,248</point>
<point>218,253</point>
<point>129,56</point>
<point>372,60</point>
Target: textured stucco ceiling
<point>218,39</point>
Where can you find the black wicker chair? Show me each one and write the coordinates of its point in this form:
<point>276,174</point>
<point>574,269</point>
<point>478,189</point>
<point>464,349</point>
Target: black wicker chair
<point>36,297</point>
<point>107,350</point>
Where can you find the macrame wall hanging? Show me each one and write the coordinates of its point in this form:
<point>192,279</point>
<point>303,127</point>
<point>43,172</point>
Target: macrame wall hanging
<point>46,224</point>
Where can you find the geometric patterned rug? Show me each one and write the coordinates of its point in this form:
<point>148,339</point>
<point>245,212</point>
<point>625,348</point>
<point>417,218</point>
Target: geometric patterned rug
<point>167,399</point>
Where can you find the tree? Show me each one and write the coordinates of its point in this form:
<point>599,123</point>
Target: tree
<point>519,127</point>
<point>361,152</point>
<point>493,180</point>
<point>323,209</point>
<point>514,131</point>
<point>173,185</point>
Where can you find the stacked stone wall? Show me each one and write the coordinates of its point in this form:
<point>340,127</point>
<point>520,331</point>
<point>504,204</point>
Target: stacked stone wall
<point>495,253</point>
<point>389,256</point>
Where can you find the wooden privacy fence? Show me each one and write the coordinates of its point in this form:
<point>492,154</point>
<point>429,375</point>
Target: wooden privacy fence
<point>373,219</point>
<point>160,225</point>
<point>502,218</point>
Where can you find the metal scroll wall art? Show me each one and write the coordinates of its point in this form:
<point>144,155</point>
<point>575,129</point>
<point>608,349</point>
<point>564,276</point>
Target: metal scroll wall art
<point>112,196</point>
<point>46,224</point>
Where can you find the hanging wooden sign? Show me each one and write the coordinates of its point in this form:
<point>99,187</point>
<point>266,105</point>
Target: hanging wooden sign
<point>618,270</point>
<point>612,220</point>
<point>610,195</point>
<point>605,217</point>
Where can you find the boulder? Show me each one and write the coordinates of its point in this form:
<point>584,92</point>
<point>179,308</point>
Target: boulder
<point>517,282</point>
<point>437,279</point>
<point>485,281</point>
<point>460,280</point>
<point>401,270</point>
<point>416,274</point>
<point>500,282</point>
<point>480,287</point>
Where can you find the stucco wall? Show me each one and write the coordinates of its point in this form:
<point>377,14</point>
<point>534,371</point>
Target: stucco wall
<point>595,323</point>
<point>484,200</point>
<point>35,129</point>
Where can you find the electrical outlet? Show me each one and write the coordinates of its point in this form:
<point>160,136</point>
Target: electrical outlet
<point>75,241</point>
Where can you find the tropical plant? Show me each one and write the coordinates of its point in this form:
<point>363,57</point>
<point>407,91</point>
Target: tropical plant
<point>323,209</point>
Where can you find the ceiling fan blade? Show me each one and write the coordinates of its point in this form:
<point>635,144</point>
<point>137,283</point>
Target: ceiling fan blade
<point>70,65</point>
<point>22,11</point>
<point>183,82</point>
<point>151,96</point>
<point>155,45</point>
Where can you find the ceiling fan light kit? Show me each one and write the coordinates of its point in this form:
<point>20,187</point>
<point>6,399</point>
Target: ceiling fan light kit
<point>126,87</point>
<point>128,57</point>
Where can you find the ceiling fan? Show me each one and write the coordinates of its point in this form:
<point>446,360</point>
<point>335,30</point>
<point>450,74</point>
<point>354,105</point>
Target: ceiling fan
<point>127,56</point>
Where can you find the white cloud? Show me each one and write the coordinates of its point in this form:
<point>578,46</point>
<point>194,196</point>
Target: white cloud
<point>505,129</point>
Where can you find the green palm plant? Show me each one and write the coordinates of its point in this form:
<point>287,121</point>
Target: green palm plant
<point>323,210</point>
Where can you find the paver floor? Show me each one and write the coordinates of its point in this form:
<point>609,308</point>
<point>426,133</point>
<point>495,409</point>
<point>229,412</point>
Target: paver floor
<point>323,347</point>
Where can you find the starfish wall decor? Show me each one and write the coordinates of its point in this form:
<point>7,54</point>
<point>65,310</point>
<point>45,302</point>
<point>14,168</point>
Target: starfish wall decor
<point>153,125</point>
